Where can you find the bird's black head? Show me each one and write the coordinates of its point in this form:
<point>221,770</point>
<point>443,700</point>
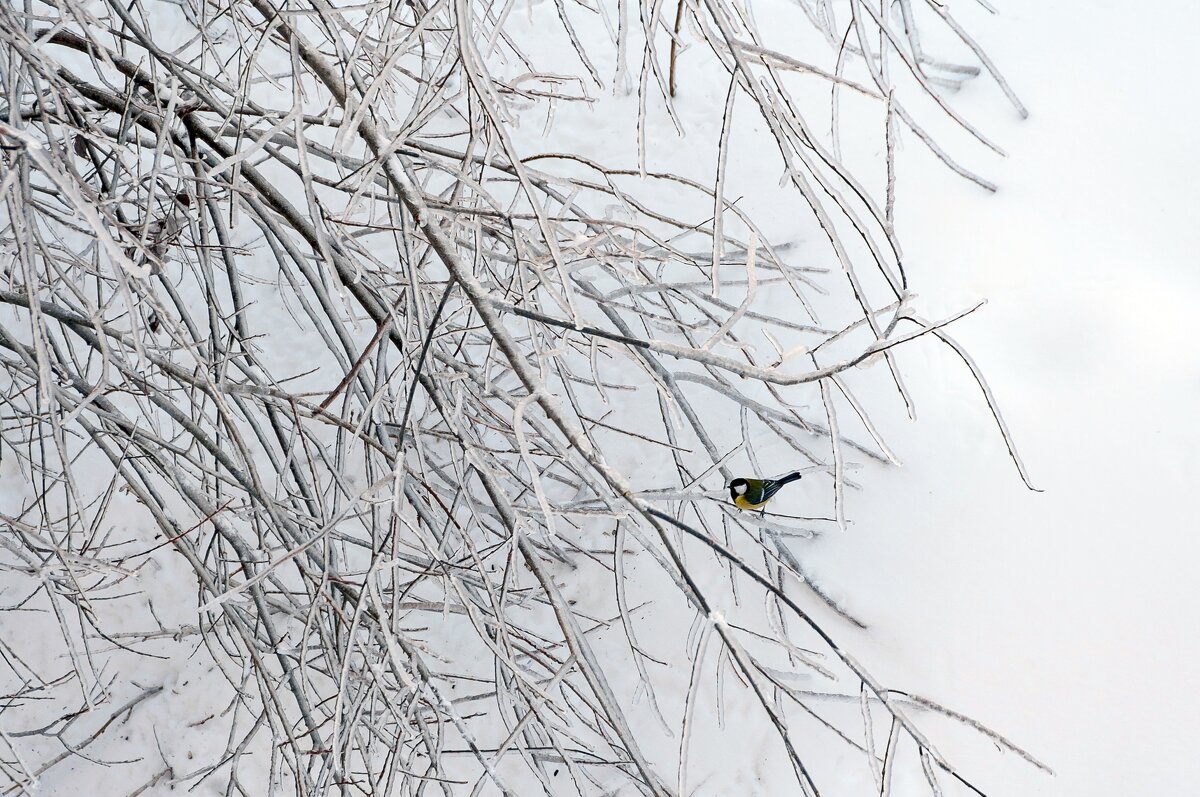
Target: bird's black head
<point>738,487</point>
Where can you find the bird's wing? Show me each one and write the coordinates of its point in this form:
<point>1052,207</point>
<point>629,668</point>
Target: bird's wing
<point>769,488</point>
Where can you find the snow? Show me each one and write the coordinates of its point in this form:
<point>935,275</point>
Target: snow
<point>1064,619</point>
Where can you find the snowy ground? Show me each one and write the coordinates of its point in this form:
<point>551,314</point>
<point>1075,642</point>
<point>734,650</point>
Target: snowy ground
<point>1067,619</point>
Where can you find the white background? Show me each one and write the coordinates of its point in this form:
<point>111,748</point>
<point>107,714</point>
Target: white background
<point>1067,620</point>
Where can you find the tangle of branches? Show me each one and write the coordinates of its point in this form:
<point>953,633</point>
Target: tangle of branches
<point>293,284</point>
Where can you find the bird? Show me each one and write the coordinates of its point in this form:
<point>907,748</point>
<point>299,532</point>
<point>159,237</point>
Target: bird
<point>755,493</point>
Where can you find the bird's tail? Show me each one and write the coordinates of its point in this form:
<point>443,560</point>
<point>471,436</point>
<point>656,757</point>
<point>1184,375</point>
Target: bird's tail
<point>791,477</point>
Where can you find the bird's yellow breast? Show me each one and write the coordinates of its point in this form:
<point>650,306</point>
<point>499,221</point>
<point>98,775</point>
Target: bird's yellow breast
<point>742,503</point>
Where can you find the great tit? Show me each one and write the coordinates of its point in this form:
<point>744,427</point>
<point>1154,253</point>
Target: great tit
<point>755,493</point>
